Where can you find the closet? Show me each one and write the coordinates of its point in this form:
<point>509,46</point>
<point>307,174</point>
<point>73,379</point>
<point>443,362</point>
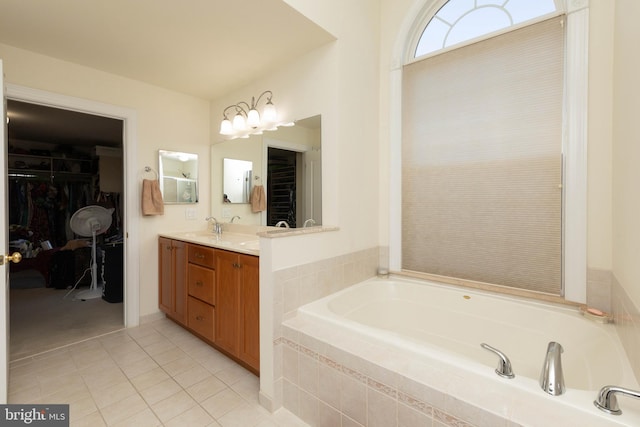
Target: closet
<point>55,166</point>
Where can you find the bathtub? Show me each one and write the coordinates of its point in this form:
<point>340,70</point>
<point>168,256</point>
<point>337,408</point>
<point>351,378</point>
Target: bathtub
<point>402,323</point>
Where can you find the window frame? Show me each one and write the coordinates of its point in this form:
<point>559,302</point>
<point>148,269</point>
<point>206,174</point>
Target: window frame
<point>574,144</point>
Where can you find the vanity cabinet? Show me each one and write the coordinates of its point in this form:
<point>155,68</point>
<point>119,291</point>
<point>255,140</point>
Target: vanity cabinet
<point>237,325</point>
<point>215,294</point>
<point>201,285</point>
<point>173,276</point>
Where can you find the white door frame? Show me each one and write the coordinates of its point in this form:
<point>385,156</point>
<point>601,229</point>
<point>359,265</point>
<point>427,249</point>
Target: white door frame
<point>129,202</point>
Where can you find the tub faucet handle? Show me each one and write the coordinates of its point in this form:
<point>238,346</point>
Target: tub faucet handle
<point>607,400</point>
<point>504,364</point>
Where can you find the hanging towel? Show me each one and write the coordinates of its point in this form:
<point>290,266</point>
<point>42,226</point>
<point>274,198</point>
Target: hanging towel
<point>152,203</point>
<point>258,199</point>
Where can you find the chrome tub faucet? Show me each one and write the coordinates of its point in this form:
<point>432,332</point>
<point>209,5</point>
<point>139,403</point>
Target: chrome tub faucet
<point>551,377</point>
<point>607,400</point>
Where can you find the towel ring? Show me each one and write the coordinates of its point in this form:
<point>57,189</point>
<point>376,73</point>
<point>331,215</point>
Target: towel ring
<point>149,170</point>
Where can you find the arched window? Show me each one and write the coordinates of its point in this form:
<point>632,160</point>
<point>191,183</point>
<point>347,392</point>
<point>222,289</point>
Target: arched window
<point>460,21</point>
<point>482,145</point>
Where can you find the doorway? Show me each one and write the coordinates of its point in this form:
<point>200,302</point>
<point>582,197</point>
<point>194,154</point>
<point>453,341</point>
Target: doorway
<point>61,161</point>
<point>282,184</point>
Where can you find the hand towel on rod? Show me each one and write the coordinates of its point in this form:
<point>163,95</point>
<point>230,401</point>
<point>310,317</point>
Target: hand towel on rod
<point>258,199</point>
<point>152,203</point>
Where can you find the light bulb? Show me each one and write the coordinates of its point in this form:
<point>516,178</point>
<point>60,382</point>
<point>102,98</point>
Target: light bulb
<point>225,127</point>
<point>253,118</point>
<point>239,123</point>
<point>269,113</point>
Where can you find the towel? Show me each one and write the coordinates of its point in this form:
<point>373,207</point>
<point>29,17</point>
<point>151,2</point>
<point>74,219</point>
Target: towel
<point>152,203</point>
<point>258,199</point>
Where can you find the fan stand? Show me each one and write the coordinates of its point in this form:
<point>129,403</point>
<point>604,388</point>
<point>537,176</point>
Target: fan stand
<point>94,290</point>
<point>91,221</point>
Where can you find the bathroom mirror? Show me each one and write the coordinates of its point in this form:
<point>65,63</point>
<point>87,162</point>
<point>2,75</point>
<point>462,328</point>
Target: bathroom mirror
<point>178,175</point>
<point>236,180</point>
<point>286,163</point>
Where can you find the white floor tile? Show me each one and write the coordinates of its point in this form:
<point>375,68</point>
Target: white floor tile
<point>157,374</point>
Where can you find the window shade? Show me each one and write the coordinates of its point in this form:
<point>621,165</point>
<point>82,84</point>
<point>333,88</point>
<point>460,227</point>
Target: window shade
<point>482,163</point>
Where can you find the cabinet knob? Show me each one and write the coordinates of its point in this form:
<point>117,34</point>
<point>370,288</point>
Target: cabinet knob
<point>200,318</point>
<point>237,265</point>
<point>199,255</point>
<point>199,283</point>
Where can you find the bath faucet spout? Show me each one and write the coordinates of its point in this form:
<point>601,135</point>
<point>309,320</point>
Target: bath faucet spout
<point>504,364</point>
<point>607,400</point>
<point>234,217</point>
<point>310,222</point>
<point>551,377</point>
<point>284,224</point>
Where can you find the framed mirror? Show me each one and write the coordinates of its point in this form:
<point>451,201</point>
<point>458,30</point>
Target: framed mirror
<point>178,175</point>
<point>236,180</point>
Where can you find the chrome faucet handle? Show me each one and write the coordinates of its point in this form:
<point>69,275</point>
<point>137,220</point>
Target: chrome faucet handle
<point>607,400</point>
<point>504,364</point>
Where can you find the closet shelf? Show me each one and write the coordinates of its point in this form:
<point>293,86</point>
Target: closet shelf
<point>30,166</point>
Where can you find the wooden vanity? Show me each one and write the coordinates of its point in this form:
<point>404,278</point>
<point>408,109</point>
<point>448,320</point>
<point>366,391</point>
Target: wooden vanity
<point>214,293</point>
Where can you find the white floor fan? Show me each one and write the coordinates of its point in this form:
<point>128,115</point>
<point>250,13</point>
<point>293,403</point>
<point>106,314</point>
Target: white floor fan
<point>91,221</point>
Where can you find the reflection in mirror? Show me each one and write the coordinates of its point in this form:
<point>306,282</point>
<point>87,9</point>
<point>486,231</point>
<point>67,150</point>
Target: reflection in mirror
<point>178,177</point>
<point>236,180</point>
<point>294,196</point>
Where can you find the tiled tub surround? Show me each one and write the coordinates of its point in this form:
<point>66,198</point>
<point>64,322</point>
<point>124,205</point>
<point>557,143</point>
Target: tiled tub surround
<point>627,320</point>
<point>299,285</point>
<point>333,375</point>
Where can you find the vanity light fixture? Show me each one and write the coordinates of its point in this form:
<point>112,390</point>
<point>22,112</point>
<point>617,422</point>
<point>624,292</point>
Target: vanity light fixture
<point>247,120</point>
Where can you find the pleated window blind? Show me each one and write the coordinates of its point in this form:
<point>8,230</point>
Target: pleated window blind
<point>481,161</point>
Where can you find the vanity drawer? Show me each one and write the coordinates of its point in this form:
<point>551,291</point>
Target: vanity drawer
<point>201,283</point>
<point>201,255</point>
<point>201,318</point>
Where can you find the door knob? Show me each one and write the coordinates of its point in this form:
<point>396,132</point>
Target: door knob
<point>16,257</point>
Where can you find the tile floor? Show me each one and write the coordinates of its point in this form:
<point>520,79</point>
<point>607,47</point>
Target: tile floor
<point>156,374</point>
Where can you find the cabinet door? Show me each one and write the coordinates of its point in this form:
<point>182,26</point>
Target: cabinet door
<point>180,281</point>
<point>172,271</point>
<point>165,273</point>
<point>249,315</point>
<point>227,301</point>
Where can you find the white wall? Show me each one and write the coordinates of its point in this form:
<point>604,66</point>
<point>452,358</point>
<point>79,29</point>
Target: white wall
<point>338,81</point>
<point>626,149</point>
<point>166,120</point>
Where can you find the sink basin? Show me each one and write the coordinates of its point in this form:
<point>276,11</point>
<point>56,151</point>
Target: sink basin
<point>252,245</point>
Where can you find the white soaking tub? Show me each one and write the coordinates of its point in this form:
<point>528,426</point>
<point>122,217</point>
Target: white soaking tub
<point>445,325</point>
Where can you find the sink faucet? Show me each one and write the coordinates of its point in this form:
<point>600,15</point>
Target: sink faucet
<point>309,221</point>
<point>551,377</point>
<point>282,224</point>
<point>217,227</point>
<point>607,400</point>
<point>234,217</point>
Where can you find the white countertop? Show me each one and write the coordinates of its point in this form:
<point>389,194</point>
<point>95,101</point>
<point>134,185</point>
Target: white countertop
<point>237,242</point>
